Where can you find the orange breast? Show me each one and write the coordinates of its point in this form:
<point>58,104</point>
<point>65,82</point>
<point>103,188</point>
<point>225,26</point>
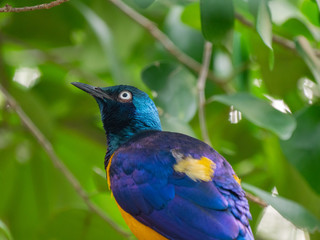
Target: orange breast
<point>141,231</point>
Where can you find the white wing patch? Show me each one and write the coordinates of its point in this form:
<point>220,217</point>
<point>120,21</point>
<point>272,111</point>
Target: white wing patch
<point>197,169</point>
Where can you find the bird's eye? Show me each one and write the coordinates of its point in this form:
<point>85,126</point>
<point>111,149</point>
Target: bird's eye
<point>125,96</point>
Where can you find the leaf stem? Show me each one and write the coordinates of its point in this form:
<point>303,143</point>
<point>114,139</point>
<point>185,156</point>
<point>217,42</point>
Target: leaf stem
<point>256,200</point>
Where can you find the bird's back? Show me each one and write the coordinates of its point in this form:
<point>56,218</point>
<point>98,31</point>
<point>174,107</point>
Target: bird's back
<point>161,180</point>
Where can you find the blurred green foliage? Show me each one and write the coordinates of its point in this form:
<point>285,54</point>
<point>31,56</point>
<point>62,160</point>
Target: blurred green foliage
<point>265,57</point>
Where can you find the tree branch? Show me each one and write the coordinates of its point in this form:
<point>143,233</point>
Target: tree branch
<point>152,28</point>
<point>47,146</point>
<point>9,8</point>
<point>256,200</point>
<point>284,42</point>
<point>201,87</point>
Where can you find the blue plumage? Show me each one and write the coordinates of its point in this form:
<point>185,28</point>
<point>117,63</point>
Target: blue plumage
<point>147,183</point>
<point>214,210</point>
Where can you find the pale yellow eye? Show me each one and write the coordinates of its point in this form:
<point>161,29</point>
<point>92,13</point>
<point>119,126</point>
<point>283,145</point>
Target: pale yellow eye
<point>125,96</point>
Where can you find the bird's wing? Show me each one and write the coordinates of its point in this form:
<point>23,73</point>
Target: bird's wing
<point>149,187</point>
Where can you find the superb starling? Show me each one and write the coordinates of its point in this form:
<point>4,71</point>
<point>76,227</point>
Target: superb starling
<point>167,185</point>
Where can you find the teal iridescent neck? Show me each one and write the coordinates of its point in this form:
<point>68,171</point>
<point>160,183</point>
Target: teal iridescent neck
<point>116,139</point>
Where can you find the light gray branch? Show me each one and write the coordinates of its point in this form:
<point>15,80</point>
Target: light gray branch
<point>9,8</point>
<point>201,87</point>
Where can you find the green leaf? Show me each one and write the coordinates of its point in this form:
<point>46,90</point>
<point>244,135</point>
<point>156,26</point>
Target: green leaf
<point>4,231</point>
<point>261,11</point>
<point>217,18</point>
<point>295,21</point>
<point>303,148</point>
<point>264,28</point>
<point>144,3</point>
<point>310,10</point>
<point>174,87</point>
<point>264,23</point>
<point>306,52</point>
<point>289,209</point>
<point>191,15</point>
<point>260,113</point>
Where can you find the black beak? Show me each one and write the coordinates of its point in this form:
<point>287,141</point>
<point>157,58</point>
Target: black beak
<point>93,91</point>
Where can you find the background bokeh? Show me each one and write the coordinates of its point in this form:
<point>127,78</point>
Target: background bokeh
<point>262,107</point>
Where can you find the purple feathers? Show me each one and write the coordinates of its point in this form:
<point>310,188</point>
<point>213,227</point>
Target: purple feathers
<point>146,186</point>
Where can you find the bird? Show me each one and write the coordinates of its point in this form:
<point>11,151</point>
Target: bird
<point>166,185</point>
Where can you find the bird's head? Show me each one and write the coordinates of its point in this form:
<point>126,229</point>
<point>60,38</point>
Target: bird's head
<point>125,110</point>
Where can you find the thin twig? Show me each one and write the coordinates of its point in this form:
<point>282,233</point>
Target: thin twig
<point>152,28</point>
<point>284,42</point>
<point>57,162</point>
<point>256,200</point>
<point>202,102</point>
<point>9,8</point>
<point>201,87</point>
